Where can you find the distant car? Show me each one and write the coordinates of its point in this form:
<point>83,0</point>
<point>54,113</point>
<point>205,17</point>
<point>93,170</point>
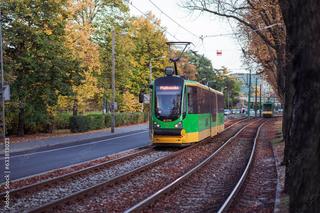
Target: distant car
<point>227,112</point>
<point>235,111</point>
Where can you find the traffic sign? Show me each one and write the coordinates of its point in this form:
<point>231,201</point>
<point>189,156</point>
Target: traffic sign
<point>6,92</point>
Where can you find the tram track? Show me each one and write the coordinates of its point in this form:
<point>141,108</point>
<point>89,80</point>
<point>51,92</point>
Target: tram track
<point>204,187</point>
<point>49,193</point>
<point>256,193</point>
<point>51,189</point>
<point>117,193</point>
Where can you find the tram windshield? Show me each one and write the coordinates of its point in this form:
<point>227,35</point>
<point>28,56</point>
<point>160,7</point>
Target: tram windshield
<point>267,107</point>
<point>168,102</point>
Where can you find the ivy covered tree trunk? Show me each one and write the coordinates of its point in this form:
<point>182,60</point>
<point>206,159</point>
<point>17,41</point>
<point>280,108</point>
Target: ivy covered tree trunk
<point>302,104</point>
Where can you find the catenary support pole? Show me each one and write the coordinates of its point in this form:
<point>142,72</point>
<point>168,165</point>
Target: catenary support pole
<point>260,106</point>
<point>249,93</point>
<point>255,98</point>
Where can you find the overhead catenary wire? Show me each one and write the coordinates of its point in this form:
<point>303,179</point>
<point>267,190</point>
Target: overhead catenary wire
<point>233,33</point>
<point>163,28</point>
<point>173,20</point>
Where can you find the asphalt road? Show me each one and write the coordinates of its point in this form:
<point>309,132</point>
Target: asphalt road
<point>40,161</point>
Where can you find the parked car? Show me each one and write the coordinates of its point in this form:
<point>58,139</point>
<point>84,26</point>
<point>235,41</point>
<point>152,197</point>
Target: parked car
<point>235,111</point>
<point>227,112</point>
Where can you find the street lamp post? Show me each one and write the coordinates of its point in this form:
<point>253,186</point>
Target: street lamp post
<point>113,83</point>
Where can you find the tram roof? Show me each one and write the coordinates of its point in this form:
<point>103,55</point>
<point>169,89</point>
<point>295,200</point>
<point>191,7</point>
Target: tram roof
<point>197,84</point>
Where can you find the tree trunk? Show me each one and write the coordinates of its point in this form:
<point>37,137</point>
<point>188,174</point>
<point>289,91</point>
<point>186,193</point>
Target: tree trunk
<point>75,107</point>
<point>21,120</point>
<point>302,104</point>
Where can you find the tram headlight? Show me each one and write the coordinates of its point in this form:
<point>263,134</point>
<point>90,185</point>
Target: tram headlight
<point>155,125</point>
<point>178,125</point>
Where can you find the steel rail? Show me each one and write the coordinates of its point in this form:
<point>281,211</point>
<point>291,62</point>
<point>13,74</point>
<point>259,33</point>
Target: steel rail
<point>239,121</point>
<point>36,186</point>
<point>107,183</point>
<point>117,179</point>
<point>182,178</point>
<point>225,206</point>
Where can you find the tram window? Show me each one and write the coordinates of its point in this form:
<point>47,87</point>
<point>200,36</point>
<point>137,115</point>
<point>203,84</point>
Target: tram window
<point>203,104</point>
<point>185,100</point>
<point>214,106</point>
<point>192,100</point>
<point>220,103</point>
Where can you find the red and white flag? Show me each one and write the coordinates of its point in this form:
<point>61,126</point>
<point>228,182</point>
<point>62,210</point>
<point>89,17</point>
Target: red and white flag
<point>219,52</point>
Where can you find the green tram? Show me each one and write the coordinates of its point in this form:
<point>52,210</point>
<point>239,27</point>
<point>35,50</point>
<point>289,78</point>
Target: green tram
<point>267,110</point>
<point>184,112</point>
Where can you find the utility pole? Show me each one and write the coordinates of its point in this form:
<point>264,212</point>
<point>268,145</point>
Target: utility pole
<point>260,107</point>
<point>255,98</point>
<point>2,114</point>
<point>249,93</point>
<point>113,82</point>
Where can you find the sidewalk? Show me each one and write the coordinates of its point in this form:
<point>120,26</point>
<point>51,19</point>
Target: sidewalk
<point>59,141</point>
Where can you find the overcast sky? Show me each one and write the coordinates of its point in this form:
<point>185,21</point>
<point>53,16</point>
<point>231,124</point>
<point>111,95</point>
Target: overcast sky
<point>199,24</point>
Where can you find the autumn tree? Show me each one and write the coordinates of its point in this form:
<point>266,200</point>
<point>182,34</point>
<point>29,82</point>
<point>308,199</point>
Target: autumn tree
<point>186,69</point>
<point>139,40</point>
<point>35,56</point>
<point>219,79</point>
<point>149,46</point>
<point>262,29</point>
<point>80,30</point>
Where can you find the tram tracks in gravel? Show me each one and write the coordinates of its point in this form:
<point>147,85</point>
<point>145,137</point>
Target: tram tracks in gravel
<point>122,191</point>
<point>256,191</point>
<point>48,190</point>
<point>205,187</point>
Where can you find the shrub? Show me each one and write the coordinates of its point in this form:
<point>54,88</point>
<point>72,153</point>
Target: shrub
<point>78,124</point>
<point>93,121</point>
<point>82,123</point>
<point>120,119</point>
<point>62,120</point>
<point>108,120</point>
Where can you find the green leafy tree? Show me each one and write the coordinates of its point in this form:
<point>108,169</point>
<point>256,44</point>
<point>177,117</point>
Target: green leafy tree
<point>218,79</point>
<point>40,66</point>
<point>138,41</point>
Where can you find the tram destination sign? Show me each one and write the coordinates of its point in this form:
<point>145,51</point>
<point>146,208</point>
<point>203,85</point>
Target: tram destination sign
<point>169,88</point>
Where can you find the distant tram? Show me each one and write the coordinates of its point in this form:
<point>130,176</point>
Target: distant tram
<point>267,110</point>
<point>184,111</point>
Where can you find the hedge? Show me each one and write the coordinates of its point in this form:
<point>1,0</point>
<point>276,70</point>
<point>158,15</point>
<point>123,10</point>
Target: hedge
<point>62,120</point>
<point>82,123</point>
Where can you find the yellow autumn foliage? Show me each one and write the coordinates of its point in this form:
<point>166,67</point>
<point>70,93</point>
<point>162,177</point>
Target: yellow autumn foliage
<point>130,103</point>
<point>78,40</point>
